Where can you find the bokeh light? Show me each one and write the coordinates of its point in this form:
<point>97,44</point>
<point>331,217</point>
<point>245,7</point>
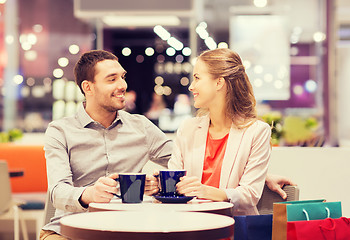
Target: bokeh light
<point>74,49</point>
<point>126,51</point>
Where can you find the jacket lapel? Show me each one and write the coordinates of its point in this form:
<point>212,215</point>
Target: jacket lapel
<point>232,147</point>
<point>200,138</point>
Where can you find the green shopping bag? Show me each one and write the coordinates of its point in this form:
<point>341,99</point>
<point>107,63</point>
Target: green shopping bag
<point>284,212</point>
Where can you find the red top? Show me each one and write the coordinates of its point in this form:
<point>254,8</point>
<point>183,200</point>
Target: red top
<point>214,154</point>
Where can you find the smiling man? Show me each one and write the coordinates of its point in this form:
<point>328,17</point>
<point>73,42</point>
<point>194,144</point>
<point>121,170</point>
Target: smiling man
<point>86,151</point>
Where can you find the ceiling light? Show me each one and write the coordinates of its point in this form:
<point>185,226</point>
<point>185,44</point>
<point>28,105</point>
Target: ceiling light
<point>319,36</point>
<point>63,61</point>
<point>30,55</point>
<point>186,51</point>
<point>57,73</point>
<point>222,45</point>
<point>175,43</point>
<point>32,39</point>
<point>149,51</point>
<point>18,79</point>
<point>211,44</point>
<point>298,90</point>
<point>170,51</point>
<point>203,25</point>
<point>310,86</point>
<point>74,49</point>
<point>126,51</point>
<point>9,39</point>
<point>159,80</point>
<point>143,21</point>
<point>37,28</point>
<point>162,32</point>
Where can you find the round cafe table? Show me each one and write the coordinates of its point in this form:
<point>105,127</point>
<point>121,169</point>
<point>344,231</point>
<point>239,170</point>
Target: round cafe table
<point>146,225</point>
<point>149,204</point>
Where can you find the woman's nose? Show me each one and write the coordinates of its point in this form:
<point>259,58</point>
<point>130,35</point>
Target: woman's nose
<point>191,87</point>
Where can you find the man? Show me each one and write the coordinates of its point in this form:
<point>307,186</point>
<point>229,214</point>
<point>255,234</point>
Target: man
<point>85,152</point>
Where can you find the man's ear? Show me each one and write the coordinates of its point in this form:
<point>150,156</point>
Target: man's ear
<point>87,87</point>
<point>220,83</point>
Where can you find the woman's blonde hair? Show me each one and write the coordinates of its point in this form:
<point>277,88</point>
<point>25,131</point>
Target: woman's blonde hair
<point>240,100</point>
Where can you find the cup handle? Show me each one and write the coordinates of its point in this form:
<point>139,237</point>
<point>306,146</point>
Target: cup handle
<point>118,196</point>
<point>157,176</point>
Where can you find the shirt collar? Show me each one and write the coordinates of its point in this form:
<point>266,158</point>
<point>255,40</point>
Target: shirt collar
<point>85,118</point>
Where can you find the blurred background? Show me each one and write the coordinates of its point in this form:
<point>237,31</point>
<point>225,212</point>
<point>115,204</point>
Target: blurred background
<point>296,54</point>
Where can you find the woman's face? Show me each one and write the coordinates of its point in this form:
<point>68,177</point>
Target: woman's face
<point>203,86</point>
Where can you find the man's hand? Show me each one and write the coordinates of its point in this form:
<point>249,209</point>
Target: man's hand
<point>102,191</point>
<point>152,184</point>
<point>275,183</point>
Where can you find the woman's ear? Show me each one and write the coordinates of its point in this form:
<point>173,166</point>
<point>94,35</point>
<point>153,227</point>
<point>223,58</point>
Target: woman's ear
<point>87,87</point>
<point>220,83</point>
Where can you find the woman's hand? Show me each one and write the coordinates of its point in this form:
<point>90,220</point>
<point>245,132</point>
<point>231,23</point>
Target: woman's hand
<point>276,182</point>
<point>191,186</point>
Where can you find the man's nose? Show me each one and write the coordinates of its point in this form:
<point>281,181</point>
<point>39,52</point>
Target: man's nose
<point>122,84</point>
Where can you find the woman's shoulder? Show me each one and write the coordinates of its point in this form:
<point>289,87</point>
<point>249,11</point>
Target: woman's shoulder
<point>259,126</point>
<point>262,124</point>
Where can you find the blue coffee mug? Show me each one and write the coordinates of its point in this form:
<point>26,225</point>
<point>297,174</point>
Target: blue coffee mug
<point>168,180</point>
<point>132,187</point>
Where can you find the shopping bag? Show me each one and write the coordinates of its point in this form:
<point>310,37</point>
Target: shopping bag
<point>253,227</point>
<point>300,211</point>
<point>327,229</point>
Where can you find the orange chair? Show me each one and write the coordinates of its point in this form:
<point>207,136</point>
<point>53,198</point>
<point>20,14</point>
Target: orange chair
<point>30,159</point>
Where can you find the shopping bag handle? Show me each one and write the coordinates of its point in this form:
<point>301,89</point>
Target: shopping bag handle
<point>346,220</point>
<point>332,227</point>
<point>308,218</point>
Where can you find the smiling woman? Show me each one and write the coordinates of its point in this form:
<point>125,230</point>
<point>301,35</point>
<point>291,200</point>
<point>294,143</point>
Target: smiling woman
<point>225,151</point>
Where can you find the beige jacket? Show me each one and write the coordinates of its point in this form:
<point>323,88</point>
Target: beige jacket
<point>244,166</point>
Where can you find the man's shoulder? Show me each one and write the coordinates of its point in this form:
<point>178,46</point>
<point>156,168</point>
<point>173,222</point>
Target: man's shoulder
<point>133,119</point>
<point>131,116</point>
<point>63,122</point>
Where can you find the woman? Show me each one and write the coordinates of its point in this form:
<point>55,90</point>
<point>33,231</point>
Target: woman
<point>225,149</point>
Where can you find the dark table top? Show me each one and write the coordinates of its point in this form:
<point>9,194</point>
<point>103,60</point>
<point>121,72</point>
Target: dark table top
<point>16,173</point>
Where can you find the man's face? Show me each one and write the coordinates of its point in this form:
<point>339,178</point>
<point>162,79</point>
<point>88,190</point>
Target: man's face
<point>109,86</point>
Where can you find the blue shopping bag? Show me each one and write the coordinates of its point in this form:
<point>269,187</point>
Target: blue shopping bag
<point>253,227</point>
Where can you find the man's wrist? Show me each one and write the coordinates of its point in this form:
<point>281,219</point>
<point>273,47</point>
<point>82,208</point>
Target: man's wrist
<point>84,199</point>
<point>84,205</point>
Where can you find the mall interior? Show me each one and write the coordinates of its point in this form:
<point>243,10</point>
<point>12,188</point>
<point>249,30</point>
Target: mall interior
<point>295,52</point>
